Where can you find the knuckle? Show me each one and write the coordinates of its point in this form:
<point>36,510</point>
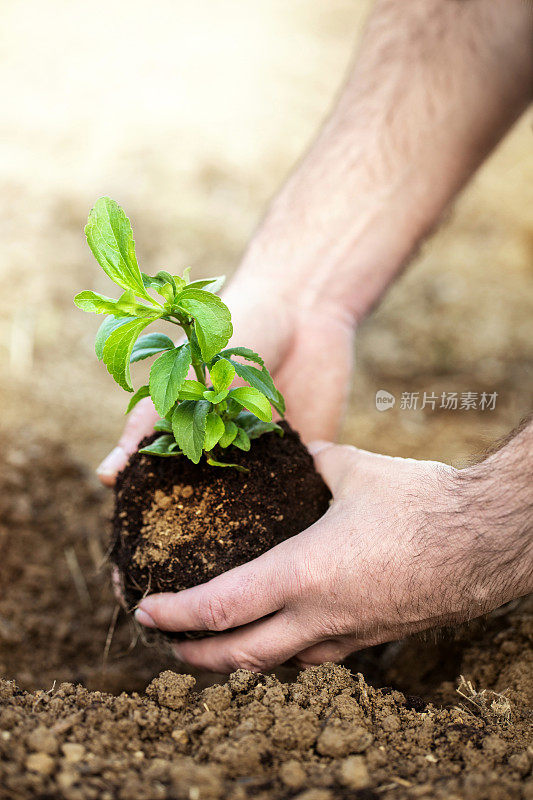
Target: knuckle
<point>213,613</point>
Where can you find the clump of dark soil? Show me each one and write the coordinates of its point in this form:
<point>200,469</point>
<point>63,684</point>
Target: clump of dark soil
<point>84,717</point>
<point>178,524</point>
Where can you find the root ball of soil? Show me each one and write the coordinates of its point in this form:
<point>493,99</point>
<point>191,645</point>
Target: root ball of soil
<point>177,524</point>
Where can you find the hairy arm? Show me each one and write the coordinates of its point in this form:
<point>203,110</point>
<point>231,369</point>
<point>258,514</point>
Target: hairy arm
<point>405,545</point>
<point>494,520</point>
<point>434,86</point>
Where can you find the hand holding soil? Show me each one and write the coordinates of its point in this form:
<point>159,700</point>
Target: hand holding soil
<point>405,545</point>
<point>395,553</point>
<point>250,548</point>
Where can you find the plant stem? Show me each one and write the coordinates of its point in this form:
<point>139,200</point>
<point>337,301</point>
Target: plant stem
<point>198,366</point>
<point>199,370</point>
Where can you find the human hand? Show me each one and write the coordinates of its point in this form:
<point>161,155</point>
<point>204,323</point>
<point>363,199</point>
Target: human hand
<point>301,347</point>
<point>393,555</point>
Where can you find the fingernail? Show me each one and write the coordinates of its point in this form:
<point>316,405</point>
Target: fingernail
<point>317,446</point>
<point>144,618</point>
<point>112,463</point>
<point>177,652</point>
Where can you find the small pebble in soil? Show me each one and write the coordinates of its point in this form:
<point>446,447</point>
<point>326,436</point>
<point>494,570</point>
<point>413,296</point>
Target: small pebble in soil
<point>353,773</point>
<point>40,762</point>
<point>43,740</point>
<point>73,751</point>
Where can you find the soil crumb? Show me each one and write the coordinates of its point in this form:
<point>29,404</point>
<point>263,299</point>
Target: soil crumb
<point>87,714</point>
<point>177,524</point>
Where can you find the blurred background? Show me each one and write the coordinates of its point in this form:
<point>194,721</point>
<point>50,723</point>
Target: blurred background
<point>190,115</point>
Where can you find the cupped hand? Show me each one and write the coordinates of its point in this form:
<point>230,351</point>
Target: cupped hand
<point>308,351</point>
<point>386,560</point>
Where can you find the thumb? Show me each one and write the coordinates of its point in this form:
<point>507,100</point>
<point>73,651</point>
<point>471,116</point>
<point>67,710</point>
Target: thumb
<point>335,462</point>
<point>140,423</point>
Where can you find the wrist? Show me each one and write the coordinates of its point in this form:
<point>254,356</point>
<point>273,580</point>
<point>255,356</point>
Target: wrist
<point>335,252</point>
<point>288,297</point>
<point>311,273</point>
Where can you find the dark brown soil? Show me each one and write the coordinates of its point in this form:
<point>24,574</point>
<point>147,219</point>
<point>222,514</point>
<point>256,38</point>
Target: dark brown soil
<point>326,733</point>
<point>178,524</point>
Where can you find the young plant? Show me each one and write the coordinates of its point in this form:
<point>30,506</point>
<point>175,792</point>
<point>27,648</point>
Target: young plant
<point>196,416</point>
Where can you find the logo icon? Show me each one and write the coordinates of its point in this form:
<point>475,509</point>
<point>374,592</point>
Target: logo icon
<point>384,400</point>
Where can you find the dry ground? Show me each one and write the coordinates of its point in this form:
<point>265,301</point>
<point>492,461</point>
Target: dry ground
<point>190,115</point>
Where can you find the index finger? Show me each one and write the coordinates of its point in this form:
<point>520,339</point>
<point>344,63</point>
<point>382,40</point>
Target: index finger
<point>237,597</point>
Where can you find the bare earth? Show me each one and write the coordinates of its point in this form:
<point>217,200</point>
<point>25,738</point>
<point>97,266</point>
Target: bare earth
<point>191,118</point>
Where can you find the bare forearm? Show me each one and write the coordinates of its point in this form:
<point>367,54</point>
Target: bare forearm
<point>493,521</point>
<point>434,86</point>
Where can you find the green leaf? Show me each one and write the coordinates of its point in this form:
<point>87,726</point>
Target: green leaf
<point>258,378</point>
<point>191,390</point>
<point>140,394</point>
<point>212,319</point>
<point>261,379</point>
<point>96,303</point>
<point>188,424</point>
<point>242,440</point>
<point>253,400</point>
<point>215,397</point>
<point>255,427</point>
<point>215,284</point>
<point>222,374</point>
<point>167,376</point>
<point>165,277</point>
<point>163,283</point>
<point>117,351</point>
<point>239,467</point>
<point>163,426</point>
<point>150,345</point>
<point>128,304</point>
<point>214,429</point>
<point>163,446</point>
<point>106,328</point>
<point>110,237</point>
<point>244,352</point>
<point>229,435</point>
<point>233,408</point>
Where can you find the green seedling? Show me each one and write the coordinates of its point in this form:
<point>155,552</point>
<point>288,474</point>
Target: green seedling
<point>200,416</point>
